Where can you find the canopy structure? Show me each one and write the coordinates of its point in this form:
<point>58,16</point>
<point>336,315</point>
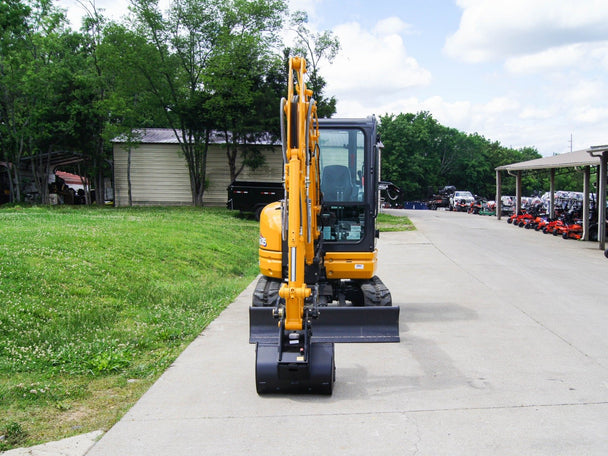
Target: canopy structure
<point>586,158</point>
<point>567,160</point>
<point>55,159</point>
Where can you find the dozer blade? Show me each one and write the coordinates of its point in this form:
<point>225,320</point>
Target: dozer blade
<point>335,324</point>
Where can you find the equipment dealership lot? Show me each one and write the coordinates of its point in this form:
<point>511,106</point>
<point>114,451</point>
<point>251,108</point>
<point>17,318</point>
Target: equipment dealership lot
<point>503,351</point>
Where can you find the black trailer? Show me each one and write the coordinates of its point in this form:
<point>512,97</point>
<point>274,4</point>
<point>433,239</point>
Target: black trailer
<point>246,196</point>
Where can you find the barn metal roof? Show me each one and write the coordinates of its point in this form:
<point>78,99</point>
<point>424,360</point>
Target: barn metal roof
<point>167,136</point>
<point>581,157</point>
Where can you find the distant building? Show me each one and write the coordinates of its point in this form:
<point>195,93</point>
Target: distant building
<point>72,180</point>
<point>159,173</point>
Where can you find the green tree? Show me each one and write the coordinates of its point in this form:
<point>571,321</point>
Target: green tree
<point>13,27</point>
<point>415,154</point>
<point>33,72</point>
<point>130,106</point>
<point>421,155</point>
<point>199,71</point>
<point>315,47</point>
<point>171,57</point>
<point>241,76</point>
<point>54,94</point>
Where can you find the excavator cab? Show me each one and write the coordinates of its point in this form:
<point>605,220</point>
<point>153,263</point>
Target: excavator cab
<point>318,255</point>
<point>349,158</point>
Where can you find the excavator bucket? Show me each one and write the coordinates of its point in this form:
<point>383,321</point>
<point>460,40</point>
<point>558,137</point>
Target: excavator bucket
<point>335,324</point>
<point>277,373</point>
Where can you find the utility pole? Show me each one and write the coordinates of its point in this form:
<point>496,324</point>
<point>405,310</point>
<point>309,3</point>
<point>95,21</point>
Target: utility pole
<point>570,142</point>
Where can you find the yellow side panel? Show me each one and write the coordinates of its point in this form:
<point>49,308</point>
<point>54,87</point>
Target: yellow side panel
<point>351,265</point>
<point>270,263</point>
<point>270,251</point>
<point>270,227</point>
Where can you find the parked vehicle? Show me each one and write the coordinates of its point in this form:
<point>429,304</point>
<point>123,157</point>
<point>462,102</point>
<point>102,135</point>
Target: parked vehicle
<point>523,219</point>
<point>252,197</point>
<point>552,226</point>
<point>488,208</point>
<point>507,205</point>
<point>476,206</point>
<point>536,213</point>
<point>572,231</point>
<point>441,198</point>
<point>461,200</point>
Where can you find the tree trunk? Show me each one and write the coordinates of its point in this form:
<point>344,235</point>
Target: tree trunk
<point>129,177</point>
<point>196,158</point>
<point>11,187</point>
<point>231,158</point>
<point>99,186</point>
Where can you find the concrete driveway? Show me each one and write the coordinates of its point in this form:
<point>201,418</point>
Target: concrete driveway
<point>504,351</point>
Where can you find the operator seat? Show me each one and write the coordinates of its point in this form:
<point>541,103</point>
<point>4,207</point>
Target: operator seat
<point>336,183</point>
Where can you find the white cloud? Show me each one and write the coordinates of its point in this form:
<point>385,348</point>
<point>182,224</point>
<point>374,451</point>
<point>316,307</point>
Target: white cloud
<point>303,5</point>
<point>558,51</point>
<point>452,114</point>
<point>600,55</point>
<point>390,26</point>
<point>536,113</point>
<point>310,7</point>
<point>584,55</point>
<point>590,114</point>
<point>373,66</point>
<point>582,91</point>
<point>498,29</point>
<point>547,60</point>
<point>500,105</point>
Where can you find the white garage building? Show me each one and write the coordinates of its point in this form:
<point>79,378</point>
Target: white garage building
<point>159,173</point>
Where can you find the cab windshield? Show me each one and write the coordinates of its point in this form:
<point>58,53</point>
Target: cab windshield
<point>342,164</point>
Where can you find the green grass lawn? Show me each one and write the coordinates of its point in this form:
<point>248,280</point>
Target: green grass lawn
<point>95,303</point>
<point>387,222</point>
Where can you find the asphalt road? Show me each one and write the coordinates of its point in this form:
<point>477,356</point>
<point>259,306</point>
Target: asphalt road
<point>503,352</point>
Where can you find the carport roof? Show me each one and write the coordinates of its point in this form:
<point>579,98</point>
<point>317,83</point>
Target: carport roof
<point>581,157</point>
<point>55,159</point>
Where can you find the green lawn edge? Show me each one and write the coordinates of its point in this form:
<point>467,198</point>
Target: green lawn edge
<point>98,302</point>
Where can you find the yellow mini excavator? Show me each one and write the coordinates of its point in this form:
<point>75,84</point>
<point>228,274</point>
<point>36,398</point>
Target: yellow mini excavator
<point>317,250</point>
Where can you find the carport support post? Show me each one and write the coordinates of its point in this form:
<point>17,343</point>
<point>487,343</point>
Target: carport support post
<point>518,192</point>
<point>498,195</point>
<point>586,175</point>
<point>601,212</point>
<point>552,194</point>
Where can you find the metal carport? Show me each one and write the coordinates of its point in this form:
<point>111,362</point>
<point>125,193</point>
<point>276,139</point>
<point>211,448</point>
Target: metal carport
<point>585,158</point>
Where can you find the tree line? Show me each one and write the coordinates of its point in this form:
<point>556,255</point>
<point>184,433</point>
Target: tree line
<point>420,156</point>
<point>200,66</point>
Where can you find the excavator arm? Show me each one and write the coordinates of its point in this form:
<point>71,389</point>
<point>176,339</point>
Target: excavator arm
<point>301,191</point>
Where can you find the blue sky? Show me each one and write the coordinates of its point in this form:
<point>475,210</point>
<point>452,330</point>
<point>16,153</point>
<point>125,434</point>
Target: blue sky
<point>521,72</point>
